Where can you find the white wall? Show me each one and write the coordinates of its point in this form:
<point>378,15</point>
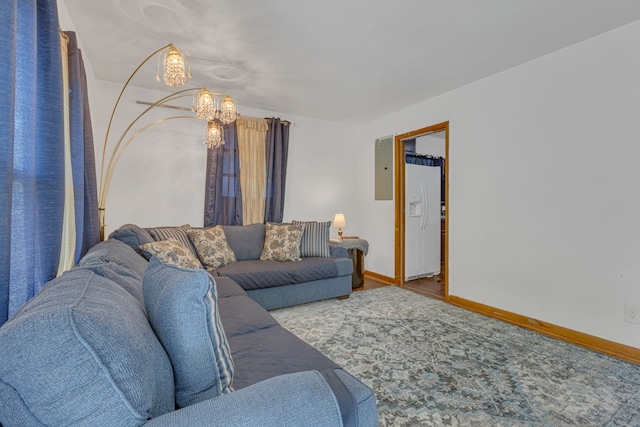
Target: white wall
<point>544,179</point>
<point>432,145</point>
<point>543,182</point>
<point>160,178</point>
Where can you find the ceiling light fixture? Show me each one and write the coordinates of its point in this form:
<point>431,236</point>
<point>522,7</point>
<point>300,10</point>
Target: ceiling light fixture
<point>205,105</point>
<point>215,135</point>
<point>228,113</point>
<point>176,72</point>
<point>211,106</point>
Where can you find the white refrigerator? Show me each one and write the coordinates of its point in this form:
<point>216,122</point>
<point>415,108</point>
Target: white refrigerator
<point>422,221</point>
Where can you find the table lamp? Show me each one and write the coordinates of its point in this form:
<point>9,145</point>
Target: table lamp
<point>339,222</point>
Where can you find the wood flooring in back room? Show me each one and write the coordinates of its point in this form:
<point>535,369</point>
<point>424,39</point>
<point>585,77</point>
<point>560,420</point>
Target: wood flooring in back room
<point>432,287</point>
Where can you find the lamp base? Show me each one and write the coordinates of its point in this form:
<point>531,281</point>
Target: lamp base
<point>339,233</point>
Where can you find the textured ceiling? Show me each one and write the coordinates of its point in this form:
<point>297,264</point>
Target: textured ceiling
<point>348,61</point>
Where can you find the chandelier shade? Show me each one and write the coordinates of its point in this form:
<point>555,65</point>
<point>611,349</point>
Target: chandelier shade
<point>175,70</point>
<point>212,106</point>
<point>228,110</point>
<point>215,135</point>
<point>205,105</point>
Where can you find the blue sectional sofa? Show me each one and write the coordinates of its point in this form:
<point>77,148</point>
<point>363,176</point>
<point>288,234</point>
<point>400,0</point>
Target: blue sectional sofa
<point>271,284</point>
<point>90,349</point>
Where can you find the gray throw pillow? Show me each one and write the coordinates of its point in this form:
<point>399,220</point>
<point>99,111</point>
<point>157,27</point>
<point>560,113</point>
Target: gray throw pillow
<point>183,311</point>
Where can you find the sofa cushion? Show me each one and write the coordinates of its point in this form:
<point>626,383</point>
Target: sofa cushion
<point>241,315</point>
<point>115,251</point>
<point>182,307</point>
<point>82,352</point>
<point>281,242</point>
<point>246,241</point>
<point>212,247</point>
<point>178,233</point>
<point>133,236</point>
<point>315,238</point>
<point>258,274</point>
<point>129,280</point>
<point>172,251</point>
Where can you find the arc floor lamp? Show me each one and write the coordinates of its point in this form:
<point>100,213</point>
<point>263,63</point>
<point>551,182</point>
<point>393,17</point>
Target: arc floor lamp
<point>213,107</point>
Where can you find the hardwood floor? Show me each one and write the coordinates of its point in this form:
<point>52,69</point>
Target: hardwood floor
<point>431,287</point>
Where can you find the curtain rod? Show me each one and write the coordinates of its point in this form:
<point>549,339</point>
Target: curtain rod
<point>179,107</point>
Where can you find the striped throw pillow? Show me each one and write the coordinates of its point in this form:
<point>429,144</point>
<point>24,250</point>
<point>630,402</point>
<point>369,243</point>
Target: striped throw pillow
<point>178,233</point>
<point>315,238</point>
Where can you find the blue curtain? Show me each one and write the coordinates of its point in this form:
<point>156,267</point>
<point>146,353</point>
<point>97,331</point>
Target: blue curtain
<point>277,146</point>
<point>31,150</point>
<point>85,188</point>
<point>223,195</point>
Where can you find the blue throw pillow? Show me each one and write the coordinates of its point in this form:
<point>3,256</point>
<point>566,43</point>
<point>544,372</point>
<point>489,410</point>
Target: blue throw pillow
<point>183,311</point>
<point>133,236</point>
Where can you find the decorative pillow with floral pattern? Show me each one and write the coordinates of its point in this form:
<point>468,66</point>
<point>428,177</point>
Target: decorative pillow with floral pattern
<point>282,242</point>
<point>173,252</point>
<point>212,247</point>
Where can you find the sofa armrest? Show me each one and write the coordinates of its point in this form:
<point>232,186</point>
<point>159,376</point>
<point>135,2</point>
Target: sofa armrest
<point>338,252</point>
<point>299,399</point>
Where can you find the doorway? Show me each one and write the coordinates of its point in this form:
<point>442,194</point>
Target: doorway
<point>437,285</point>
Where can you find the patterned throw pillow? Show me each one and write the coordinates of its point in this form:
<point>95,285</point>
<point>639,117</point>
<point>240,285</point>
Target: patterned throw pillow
<point>315,238</point>
<point>173,252</point>
<point>178,233</point>
<point>212,247</point>
<point>282,242</point>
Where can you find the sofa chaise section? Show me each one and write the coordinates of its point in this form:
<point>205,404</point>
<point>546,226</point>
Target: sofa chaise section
<point>82,352</point>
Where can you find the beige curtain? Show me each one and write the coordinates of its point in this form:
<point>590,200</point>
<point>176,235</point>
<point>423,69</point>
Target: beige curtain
<point>253,176</point>
<point>68,244</point>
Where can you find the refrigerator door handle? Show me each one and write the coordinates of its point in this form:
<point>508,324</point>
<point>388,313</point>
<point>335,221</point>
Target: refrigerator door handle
<point>425,211</point>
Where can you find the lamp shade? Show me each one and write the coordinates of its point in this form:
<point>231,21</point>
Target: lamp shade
<point>339,221</point>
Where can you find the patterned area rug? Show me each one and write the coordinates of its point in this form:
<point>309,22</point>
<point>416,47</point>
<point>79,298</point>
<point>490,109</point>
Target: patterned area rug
<point>431,363</point>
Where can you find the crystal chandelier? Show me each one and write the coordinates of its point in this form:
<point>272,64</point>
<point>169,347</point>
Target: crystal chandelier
<point>208,106</point>
<point>175,71</point>
<point>228,110</point>
<point>215,135</point>
<point>205,105</point>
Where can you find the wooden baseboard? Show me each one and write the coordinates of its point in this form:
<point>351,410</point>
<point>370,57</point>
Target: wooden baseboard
<point>379,277</point>
<point>621,351</point>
